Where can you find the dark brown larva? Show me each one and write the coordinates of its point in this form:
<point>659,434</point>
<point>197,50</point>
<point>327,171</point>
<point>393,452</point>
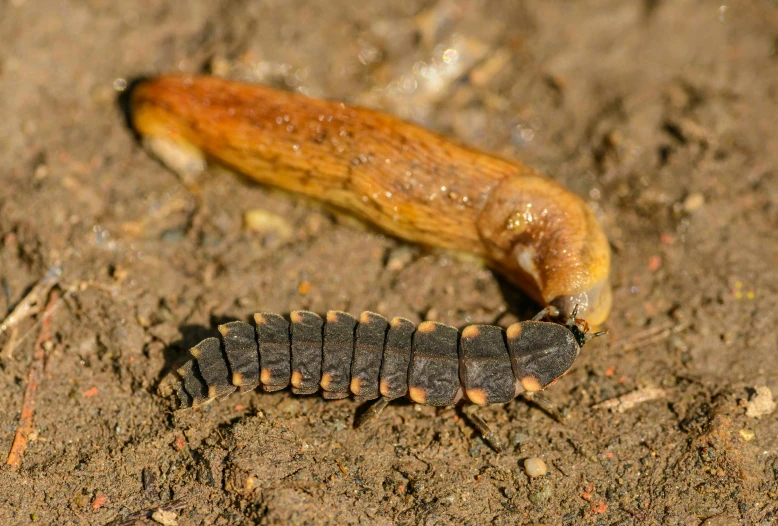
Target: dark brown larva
<point>368,358</point>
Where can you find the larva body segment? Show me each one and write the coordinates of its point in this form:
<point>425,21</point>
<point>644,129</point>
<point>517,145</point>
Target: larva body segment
<point>306,351</point>
<point>432,364</point>
<point>213,367</point>
<point>397,358</point>
<point>337,354</point>
<point>195,387</point>
<point>275,352</point>
<point>487,374</point>
<point>433,378</point>
<point>240,346</point>
<point>368,354</point>
<point>412,183</point>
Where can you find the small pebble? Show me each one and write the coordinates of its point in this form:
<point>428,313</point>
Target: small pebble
<point>535,467</point>
<point>517,438</point>
<point>165,517</point>
<point>541,492</point>
<point>747,435</point>
<point>693,202</point>
<point>761,404</point>
<point>264,222</point>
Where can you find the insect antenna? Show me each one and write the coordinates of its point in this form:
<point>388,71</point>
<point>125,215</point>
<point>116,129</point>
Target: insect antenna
<point>571,319</point>
<point>590,337</point>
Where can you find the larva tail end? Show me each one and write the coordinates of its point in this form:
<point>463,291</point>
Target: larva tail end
<point>185,401</point>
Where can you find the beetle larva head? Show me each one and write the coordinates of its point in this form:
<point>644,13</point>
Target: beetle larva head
<point>541,352</point>
<point>580,329</point>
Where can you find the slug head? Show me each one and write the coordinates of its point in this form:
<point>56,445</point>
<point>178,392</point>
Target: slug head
<point>593,304</point>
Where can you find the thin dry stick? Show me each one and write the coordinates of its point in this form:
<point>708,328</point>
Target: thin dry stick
<point>649,336</point>
<point>33,381</point>
<point>134,518</point>
<point>626,402</point>
<point>30,303</point>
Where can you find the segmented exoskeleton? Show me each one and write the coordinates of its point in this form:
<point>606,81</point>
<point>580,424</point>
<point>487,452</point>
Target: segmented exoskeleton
<point>431,364</point>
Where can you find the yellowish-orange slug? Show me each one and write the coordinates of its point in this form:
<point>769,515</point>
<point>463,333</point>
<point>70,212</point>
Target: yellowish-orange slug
<point>412,183</point>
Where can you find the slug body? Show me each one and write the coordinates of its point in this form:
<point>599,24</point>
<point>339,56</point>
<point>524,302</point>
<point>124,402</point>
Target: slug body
<point>369,357</point>
<point>412,183</point>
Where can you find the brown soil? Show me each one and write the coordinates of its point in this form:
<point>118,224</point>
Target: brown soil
<point>661,113</point>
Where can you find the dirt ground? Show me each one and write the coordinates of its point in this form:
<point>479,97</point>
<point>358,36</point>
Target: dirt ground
<point>661,114</point>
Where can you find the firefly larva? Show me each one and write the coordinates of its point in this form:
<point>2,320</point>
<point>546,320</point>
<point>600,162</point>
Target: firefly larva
<point>370,357</point>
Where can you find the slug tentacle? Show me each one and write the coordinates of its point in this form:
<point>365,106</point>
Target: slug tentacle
<point>412,183</point>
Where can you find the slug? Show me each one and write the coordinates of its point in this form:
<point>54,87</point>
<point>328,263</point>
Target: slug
<point>412,183</point>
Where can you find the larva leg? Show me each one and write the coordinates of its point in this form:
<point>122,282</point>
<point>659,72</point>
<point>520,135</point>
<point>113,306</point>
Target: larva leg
<point>544,404</point>
<point>373,411</point>
<point>491,438</point>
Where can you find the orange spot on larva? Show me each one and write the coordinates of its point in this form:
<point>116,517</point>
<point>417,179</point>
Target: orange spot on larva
<point>514,331</point>
<point>471,331</point>
<point>530,384</point>
<point>417,394</point>
<point>92,391</point>
<point>477,396</point>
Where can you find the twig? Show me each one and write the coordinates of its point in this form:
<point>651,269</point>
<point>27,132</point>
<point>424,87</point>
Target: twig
<point>29,304</point>
<point>10,344</point>
<point>628,401</point>
<point>649,336</point>
<point>33,381</point>
<point>133,518</point>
